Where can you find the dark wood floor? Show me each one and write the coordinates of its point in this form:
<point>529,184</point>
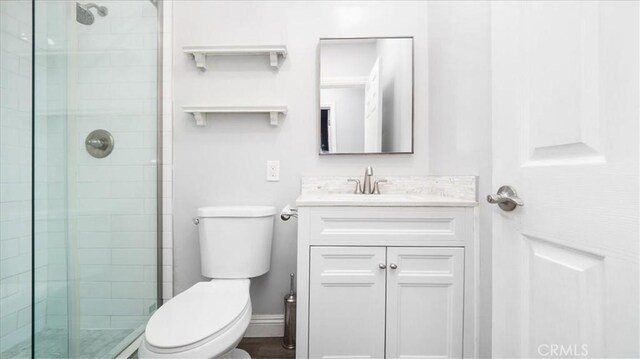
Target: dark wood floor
<point>266,348</point>
<point>259,348</point>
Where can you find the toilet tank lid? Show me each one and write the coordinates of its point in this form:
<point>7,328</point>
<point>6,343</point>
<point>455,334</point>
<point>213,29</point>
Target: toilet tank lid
<point>236,211</point>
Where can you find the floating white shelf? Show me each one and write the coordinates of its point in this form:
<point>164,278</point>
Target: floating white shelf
<point>200,112</point>
<point>200,53</point>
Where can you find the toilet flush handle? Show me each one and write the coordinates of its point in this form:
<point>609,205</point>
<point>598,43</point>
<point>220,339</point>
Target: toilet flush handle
<point>196,221</point>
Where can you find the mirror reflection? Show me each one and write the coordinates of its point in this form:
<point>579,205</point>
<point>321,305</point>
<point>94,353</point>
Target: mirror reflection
<point>366,95</point>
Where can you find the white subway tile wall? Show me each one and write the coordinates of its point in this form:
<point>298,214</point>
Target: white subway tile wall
<point>15,172</point>
<point>115,197</point>
<point>108,248</point>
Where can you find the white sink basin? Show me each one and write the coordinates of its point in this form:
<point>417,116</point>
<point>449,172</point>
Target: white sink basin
<point>379,200</point>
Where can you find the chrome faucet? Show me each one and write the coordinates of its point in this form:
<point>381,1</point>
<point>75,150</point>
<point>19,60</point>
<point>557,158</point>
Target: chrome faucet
<point>366,184</point>
<point>366,187</point>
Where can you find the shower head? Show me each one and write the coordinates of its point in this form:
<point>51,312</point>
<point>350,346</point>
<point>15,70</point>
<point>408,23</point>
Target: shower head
<point>84,14</point>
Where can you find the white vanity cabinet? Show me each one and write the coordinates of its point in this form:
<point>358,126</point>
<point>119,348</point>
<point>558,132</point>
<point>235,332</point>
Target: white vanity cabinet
<point>376,302</point>
<point>424,302</point>
<point>346,302</point>
<point>386,282</point>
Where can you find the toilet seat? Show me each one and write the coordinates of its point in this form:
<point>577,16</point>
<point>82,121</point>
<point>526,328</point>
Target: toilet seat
<point>208,313</point>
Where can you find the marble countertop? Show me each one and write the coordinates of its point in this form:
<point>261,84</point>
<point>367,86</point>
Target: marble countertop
<point>399,191</point>
<point>382,200</point>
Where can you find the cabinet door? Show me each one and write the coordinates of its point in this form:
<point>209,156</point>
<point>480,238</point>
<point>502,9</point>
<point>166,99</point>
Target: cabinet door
<point>347,302</point>
<point>424,302</point>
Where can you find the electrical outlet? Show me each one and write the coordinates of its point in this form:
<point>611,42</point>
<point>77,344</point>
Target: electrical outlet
<point>273,171</point>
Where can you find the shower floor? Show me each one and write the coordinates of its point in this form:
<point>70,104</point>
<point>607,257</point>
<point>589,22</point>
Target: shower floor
<point>52,343</point>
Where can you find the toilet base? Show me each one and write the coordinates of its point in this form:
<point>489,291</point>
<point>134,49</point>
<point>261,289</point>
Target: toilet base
<point>236,354</point>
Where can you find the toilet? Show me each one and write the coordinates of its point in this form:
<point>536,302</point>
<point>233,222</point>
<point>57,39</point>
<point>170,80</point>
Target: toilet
<point>209,319</point>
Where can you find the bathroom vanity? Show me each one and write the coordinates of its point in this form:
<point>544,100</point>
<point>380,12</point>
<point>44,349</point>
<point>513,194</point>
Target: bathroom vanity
<point>387,275</point>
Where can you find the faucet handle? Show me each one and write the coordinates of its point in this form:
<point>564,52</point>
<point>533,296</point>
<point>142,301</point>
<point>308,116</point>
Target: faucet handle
<point>376,186</point>
<point>358,186</point>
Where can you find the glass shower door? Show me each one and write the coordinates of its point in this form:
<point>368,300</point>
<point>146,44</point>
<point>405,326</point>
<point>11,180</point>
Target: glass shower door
<point>15,179</point>
<point>95,175</point>
<point>50,178</point>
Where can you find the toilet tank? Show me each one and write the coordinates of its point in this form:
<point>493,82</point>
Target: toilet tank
<point>235,241</point>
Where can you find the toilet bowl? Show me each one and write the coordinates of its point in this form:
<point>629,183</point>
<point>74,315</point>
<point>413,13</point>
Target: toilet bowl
<point>206,321</point>
<point>209,319</point>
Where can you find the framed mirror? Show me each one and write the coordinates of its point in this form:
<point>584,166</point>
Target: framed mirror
<point>366,95</point>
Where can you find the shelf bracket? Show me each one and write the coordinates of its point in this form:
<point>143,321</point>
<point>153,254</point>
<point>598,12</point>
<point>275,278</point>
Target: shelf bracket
<point>201,60</point>
<point>273,57</point>
<point>201,118</point>
<point>273,117</point>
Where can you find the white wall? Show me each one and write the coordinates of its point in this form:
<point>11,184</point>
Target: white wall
<point>224,163</point>
<point>460,116</point>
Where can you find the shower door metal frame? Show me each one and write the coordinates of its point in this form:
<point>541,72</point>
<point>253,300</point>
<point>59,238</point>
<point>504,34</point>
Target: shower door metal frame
<point>159,145</point>
<point>33,176</point>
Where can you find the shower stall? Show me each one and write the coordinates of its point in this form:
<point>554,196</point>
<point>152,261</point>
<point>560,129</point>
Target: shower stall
<point>80,170</point>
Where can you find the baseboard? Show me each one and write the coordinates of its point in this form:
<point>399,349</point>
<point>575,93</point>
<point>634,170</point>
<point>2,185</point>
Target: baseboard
<point>265,326</point>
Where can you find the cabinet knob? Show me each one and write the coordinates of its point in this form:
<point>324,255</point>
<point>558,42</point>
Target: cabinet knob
<point>382,266</point>
<point>393,266</point>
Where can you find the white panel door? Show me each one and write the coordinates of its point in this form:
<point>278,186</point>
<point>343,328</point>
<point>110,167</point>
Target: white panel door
<point>424,302</point>
<point>565,135</point>
<point>373,110</point>
<point>346,302</point>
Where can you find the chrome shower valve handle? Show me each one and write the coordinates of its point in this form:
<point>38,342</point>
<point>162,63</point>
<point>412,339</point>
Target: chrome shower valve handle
<point>99,143</point>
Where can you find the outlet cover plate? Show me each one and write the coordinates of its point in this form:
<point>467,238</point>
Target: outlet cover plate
<point>273,171</point>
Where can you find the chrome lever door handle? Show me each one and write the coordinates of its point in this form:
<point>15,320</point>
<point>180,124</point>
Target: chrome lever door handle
<point>506,198</point>
<point>496,198</point>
